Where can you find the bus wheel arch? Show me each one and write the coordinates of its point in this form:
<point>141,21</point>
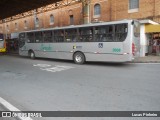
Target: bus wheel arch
<point>79,57</point>
<point>31,54</point>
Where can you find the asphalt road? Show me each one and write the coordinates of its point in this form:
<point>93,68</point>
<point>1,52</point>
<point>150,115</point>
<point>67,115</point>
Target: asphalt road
<point>56,85</point>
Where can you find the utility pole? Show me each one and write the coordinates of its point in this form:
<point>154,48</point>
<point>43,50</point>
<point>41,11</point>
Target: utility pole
<point>86,11</point>
<point>42,18</point>
<point>35,17</point>
<point>110,10</point>
<point>5,25</point>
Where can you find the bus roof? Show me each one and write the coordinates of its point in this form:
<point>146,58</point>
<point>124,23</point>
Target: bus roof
<point>79,26</point>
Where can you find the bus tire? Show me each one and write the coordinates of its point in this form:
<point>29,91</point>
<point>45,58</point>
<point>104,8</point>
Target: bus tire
<point>79,58</point>
<point>32,55</point>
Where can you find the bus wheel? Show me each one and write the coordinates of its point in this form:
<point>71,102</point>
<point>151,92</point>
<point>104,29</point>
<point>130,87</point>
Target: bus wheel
<point>32,55</point>
<point>79,58</point>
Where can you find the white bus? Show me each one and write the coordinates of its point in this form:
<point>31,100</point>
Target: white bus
<point>2,44</point>
<point>116,41</point>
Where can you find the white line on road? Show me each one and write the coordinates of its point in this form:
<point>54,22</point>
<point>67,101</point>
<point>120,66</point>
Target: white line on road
<point>52,68</point>
<point>10,107</point>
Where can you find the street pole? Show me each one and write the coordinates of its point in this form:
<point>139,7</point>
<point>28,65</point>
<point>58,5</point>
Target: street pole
<point>86,11</point>
<point>5,24</point>
<point>35,16</point>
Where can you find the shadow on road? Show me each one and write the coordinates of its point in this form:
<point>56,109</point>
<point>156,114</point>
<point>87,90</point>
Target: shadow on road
<point>114,64</point>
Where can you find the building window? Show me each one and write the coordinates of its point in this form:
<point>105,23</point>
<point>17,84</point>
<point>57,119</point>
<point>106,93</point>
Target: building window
<point>37,22</point>
<point>16,26</point>
<point>25,24</point>
<point>133,5</point>
<point>51,19</point>
<point>7,28</point>
<point>71,20</point>
<point>97,10</point>
<point>1,29</point>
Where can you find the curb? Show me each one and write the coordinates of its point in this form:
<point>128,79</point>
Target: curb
<point>145,62</point>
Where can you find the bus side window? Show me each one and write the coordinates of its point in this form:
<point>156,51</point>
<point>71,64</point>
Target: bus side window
<point>47,35</point>
<point>38,37</point>
<point>55,36</point>
<point>86,34</point>
<point>120,32</point>
<point>68,37</point>
<point>22,35</point>
<point>100,34</point>
<point>59,36</point>
<point>79,39</point>
<point>110,33</point>
<point>97,36</point>
<point>71,35</point>
<point>30,37</point>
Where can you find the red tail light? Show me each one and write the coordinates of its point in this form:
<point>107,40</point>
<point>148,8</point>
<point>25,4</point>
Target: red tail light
<point>133,48</point>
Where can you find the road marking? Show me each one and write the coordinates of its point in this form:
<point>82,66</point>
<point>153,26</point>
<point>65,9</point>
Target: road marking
<point>42,65</point>
<point>52,68</point>
<point>10,107</point>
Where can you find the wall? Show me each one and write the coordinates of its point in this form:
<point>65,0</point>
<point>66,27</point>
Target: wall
<point>110,10</point>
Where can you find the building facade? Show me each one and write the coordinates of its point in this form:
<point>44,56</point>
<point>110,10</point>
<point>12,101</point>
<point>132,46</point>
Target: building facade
<point>74,12</point>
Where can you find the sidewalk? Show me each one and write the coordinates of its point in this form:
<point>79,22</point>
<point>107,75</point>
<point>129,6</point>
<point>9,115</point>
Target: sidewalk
<point>12,52</point>
<point>147,59</point>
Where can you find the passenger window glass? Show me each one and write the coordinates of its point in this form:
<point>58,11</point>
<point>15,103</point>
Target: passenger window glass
<point>59,36</point>
<point>71,35</point>
<point>38,37</point>
<point>22,35</point>
<point>30,37</point>
<point>47,36</point>
<point>100,34</point>
<point>86,34</point>
<point>120,32</point>
<point>109,33</point>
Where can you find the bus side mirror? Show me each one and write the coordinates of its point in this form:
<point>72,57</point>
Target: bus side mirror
<point>132,23</point>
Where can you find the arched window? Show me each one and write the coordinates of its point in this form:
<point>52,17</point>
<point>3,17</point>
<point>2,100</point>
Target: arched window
<point>25,24</point>
<point>51,19</point>
<point>7,28</point>
<point>16,26</point>
<point>97,10</point>
<point>71,20</point>
<point>37,22</point>
<point>1,28</point>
